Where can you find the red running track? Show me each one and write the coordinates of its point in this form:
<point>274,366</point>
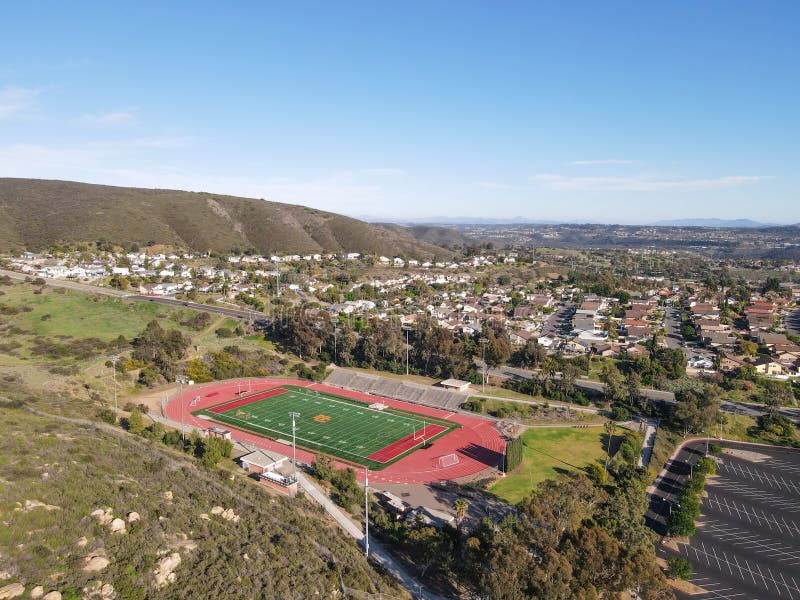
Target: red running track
<point>405,444</point>
<point>477,443</point>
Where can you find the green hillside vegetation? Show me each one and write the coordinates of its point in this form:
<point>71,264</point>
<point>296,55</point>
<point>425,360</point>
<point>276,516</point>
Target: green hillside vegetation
<point>43,323</point>
<point>41,213</point>
<point>55,473</point>
<point>546,453</point>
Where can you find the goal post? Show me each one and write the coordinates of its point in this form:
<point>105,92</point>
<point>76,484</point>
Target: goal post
<point>419,434</point>
<point>448,460</point>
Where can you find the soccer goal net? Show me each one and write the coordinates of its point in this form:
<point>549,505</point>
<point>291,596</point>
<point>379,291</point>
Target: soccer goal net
<point>448,460</point>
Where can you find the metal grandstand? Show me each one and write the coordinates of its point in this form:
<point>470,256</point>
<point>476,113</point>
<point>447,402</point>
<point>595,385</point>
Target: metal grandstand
<point>396,389</point>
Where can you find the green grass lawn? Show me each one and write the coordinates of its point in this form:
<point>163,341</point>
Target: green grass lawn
<point>547,452</point>
<point>80,315</point>
<point>342,427</point>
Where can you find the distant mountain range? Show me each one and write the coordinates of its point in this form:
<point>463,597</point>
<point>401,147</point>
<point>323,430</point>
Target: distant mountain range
<point>720,223</point>
<point>36,213</point>
<point>459,221</point>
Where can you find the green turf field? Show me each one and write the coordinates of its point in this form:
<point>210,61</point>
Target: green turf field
<point>342,427</point>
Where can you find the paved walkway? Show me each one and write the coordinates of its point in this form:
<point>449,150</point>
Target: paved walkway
<point>649,442</point>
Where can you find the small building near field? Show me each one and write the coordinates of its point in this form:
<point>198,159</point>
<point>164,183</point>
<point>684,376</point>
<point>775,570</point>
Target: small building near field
<point>392,502</point>
<point>219,432</point>
<point>455,384</point>
<point>262,461</point>
<point>283,483</point>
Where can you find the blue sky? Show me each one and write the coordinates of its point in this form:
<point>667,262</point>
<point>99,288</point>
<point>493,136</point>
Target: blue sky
<point>623,112</point>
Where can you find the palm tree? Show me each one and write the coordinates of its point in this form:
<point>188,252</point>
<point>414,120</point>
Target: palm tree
<point>461,507</point>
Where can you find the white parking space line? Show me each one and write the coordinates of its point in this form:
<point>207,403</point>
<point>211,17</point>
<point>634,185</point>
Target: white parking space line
<point>774,481</point>
<point>758,544</point>
<point>749,509</point>
<point>755,572</point>
<point>759,495</point>
<point>785,466</point>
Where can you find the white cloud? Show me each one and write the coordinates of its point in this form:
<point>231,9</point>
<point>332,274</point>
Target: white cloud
<point>602,161</point>
<point>117,117</point>
<point>14,100</point>
<point>640,183</point>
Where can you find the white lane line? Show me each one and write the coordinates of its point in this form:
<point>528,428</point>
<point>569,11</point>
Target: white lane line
<point>750,571</point>
<point>764,579</point>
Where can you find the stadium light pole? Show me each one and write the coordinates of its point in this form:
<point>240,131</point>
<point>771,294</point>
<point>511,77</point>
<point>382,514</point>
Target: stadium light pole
<point>294,415</point>
<point>483,341</point>
<point>181,379</point>
<point>114,358</point>
<point>366,512</point>
<point>407,329</point>
<point>335,356</point>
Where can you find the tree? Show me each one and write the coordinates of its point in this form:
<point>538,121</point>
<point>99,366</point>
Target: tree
<point>460,507</point>
<point>610,428</point>
<point>136,422</point>
<point>679,567</point>
<point>614,382</point>
<point>633,383</point>
<point>747,347</point>
<point>323,467</point>
<point>696,412</point>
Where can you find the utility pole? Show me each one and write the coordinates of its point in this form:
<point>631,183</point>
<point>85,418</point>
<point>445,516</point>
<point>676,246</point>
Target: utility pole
<point>366,512</point>
<point>483,341</point>
<point>294,415</point>
<point>114,358</point>
<point>181,379</point>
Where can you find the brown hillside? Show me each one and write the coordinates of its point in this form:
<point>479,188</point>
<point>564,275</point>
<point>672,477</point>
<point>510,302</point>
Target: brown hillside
<point>36,213</point>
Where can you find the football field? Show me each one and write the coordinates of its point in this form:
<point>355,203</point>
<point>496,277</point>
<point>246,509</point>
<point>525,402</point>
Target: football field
<point>341,427</point>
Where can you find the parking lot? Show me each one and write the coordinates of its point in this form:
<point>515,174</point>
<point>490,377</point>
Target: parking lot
<point>747,543</point>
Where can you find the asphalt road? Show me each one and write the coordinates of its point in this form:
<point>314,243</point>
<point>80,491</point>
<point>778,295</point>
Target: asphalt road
<point>234,313</point>
<point>225,311</point>
<point>672,323</point>
<point>557,319</point>
<point>791,321</point>
<point>747,543</point>
<point>70,285</point>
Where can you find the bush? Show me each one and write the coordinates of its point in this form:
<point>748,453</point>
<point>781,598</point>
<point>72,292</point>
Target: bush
<point>620,413</point>
<point>680,568</point>
<point>323,467</point>
<point>107,416</point>
<point>513,454</point>
<point>347,491</point>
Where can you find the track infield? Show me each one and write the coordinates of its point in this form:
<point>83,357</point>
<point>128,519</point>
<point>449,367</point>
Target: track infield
<point>342,427</point>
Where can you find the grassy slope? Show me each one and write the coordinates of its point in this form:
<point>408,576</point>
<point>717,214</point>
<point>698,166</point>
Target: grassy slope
<point>78,314</point>
<point>546,452</point>
<point>63,316</point>
<point>290,545</point>
<point>38,213</point>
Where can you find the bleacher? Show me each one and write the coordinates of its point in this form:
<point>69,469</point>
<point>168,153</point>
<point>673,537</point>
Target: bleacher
<point>396,389</point>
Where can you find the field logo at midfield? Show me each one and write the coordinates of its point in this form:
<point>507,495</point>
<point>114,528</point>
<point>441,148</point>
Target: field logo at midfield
<point>322,418</point>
